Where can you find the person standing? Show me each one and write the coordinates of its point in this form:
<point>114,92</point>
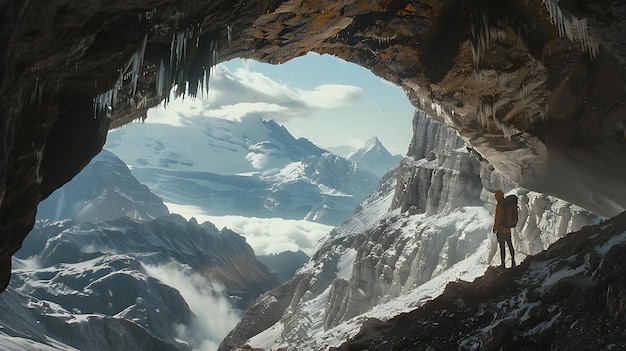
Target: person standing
<point>502,230</point>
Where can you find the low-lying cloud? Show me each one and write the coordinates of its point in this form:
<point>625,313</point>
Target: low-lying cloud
<point>265,235</point>
<point>215,316</point>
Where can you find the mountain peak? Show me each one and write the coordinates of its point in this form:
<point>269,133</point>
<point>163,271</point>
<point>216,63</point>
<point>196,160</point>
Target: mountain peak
<point>374,157</point>
<point>373,141</point>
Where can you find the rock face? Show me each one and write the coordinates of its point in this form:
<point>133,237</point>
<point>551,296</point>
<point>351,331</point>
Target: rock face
<point>536,87</point>
<point>427,186</point>
<point>433,212</point>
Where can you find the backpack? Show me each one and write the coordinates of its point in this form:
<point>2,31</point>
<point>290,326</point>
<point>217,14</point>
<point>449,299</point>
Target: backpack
<point>509,205</point>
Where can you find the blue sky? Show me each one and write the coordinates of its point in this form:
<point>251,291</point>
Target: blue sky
<point>346,103</point>
<point>319,97</point>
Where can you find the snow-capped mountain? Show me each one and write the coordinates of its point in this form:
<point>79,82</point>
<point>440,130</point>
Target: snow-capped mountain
<point>428,223</point>
<point>125,283</point>
<point>103,190</point>
<point>249,168</point>
<point>374,157</point>
<point>207,144</point>
<point>166,284</point>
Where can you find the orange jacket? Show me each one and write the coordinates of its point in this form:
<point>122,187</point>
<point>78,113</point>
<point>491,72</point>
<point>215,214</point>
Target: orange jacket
<point>498,219</point>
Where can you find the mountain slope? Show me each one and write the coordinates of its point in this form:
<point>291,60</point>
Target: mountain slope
<point>154,280</point>
<point>103,190</point>
<point>284,264</point>
<point>374,157</point>
<point>252,168</point>
<point>571,296</point>
<point>207,144</point>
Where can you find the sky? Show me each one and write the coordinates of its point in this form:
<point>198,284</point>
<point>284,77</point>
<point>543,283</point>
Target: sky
<point>322,98</point>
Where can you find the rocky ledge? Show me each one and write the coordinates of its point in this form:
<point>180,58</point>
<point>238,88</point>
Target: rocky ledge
<point>571,296</point>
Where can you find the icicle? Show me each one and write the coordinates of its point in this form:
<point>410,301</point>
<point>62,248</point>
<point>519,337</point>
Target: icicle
<point>229,33</point>
<point>137,61</point>
<point>160,79</point>
<point>107,100</point>
<point>245,63</point>
<point>574,28</point>
<point>150,14</point>
<point>178,48</point>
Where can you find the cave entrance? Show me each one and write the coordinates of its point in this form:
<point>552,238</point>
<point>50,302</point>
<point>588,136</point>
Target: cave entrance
<point>190,149</point>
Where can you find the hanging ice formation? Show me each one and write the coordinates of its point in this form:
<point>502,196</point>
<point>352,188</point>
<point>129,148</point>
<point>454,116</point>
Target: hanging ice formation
<point>160,79</point>
<point>572,27</point>
<point>190,59</point>
<point>483,34</point>
<point>107,100</point>
<point>137,61</point>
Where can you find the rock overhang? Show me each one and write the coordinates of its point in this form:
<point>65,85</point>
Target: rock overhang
<point>536,87</point>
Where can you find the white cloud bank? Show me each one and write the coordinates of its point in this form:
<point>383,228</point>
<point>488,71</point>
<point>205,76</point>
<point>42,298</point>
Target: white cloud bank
<point>265,235</point>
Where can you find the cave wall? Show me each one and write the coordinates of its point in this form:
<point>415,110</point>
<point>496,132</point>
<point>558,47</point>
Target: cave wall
<point>536,88</point>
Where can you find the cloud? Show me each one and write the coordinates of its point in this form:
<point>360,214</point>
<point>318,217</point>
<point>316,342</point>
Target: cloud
<point>265,235</point>
<point>215,316</point>
<point>244,93</point>
<point>330,96</point>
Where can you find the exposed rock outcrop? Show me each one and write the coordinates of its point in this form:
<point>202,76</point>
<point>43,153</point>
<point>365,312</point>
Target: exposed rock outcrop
<point>433,150</point>
<point>568,297</point>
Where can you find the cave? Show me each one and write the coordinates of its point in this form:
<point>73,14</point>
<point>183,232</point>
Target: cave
<point>537,88</point>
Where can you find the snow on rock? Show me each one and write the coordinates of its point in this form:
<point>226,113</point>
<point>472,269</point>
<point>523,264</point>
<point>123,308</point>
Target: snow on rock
<point>568,297</point>
<point>427,224</point>
<point>105,189</point>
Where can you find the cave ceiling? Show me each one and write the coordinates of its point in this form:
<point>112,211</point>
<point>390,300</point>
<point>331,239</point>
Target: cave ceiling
<point>536,87</point>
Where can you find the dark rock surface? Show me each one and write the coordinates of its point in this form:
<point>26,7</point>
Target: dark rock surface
<point>536,87</point>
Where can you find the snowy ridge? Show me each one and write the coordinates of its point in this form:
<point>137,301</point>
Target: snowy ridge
<point>567,297</point>
<point>252,167</point>
<point>207,144</point>
<point>126,282</point>
<point>103,190</point>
